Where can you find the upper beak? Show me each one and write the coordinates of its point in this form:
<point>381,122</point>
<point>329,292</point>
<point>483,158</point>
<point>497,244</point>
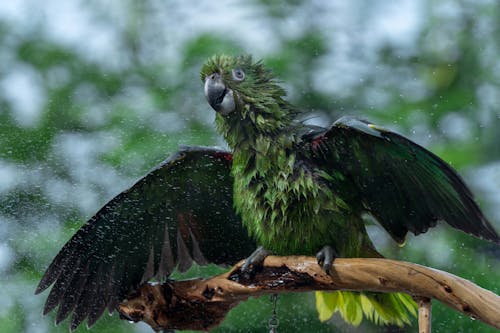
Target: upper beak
<point>218,95</point>
<point>215,89</point>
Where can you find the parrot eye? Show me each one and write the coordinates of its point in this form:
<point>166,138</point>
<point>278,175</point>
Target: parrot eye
<point>238,75</point>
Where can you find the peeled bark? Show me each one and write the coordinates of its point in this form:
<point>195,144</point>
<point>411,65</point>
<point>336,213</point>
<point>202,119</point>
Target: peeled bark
<point>202,304</point>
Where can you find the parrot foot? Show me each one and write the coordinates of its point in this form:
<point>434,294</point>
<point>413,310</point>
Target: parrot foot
<point>254,261</point>
<point>325,257</point>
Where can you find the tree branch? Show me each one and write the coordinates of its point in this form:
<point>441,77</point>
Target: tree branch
<point>424,314</point>
<point>202,304</point>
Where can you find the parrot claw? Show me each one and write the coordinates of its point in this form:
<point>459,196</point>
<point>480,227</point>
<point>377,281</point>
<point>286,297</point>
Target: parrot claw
<point>325,257</point>
<point>254,261</point>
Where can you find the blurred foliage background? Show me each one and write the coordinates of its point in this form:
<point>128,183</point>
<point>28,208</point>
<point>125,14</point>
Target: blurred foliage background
<point>95,93</point>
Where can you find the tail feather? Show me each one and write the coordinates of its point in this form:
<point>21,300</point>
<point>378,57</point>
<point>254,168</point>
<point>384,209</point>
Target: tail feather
<point>382,309</point>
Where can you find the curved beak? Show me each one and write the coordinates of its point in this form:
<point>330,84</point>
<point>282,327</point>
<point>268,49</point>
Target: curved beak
<point>218,95</point>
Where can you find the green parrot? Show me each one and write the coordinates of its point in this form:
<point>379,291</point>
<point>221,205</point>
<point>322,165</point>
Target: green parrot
<point>303,190</point>
<point>284,188</point>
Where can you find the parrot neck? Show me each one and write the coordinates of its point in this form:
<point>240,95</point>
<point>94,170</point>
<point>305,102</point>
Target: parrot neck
<point>245,127</point>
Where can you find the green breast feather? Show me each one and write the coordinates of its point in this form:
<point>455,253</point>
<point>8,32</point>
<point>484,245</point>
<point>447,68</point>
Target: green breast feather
<point>286,206</point>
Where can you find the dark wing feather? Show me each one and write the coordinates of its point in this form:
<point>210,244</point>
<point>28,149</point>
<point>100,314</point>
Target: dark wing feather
<point>182,211</point>
<point>405,186</point>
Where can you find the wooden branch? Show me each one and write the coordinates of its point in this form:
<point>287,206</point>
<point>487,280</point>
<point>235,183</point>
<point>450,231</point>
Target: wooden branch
<point>202,304</point>
<point>424,314</point>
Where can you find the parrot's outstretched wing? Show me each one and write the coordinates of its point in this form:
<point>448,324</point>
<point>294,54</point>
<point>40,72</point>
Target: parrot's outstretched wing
<point>182,211</point>
<point>403,185</point>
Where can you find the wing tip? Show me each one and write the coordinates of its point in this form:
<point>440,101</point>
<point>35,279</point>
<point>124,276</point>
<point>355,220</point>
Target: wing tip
<point>48,307</point>
<point>46,281</point>
<point>61,316</point>
<point>490,236</point>
<point>77,319</point>
<point>40,288</point>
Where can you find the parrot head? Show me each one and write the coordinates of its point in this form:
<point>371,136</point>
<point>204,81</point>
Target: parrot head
<point>244,93</point>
